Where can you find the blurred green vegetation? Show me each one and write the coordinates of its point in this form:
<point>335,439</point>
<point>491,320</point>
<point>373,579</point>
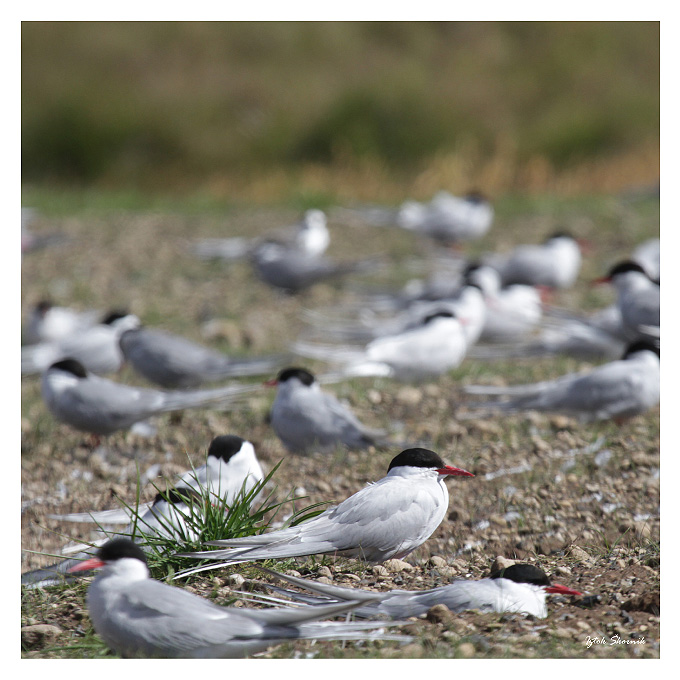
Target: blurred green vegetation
<point>149,105</point>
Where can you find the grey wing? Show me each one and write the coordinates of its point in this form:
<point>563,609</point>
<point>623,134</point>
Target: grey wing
<point>311,537</point>
<point>171,361</point>
<point>609,390</point>
<point>645,310</point>
<point>384,519</point>
<point>458,596</point>
<point>350,429</point>
<point>173,618</point>
<point>527,264</point>
<point>99,400</point>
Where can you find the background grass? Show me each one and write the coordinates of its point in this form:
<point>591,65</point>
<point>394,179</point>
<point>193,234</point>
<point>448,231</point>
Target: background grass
<point>267,108</point>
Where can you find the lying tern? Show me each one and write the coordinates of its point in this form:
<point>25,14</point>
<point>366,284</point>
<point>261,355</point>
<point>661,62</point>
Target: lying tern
<point>172,361</point>
<point>231,469</point>
<point>291,271</point>
<point>618,390</point>
<point>50,323</point>
<point>310,237</point>
<point>555,263</point>
<point>520,588</point>
<point>433,347</point>
<point>96,347</point>
<point>468,303</point>
<point>638,297</point>
<point>599,335</point>
<point>648,256</point>
<point>447,218</point>
<point>100,406</point>
<point>511,312</point>
<point>306,418</point>
<point>231,466</point>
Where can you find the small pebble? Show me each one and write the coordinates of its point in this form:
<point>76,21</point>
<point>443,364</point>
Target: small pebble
<point>396,566</point>
<point>466,650</point>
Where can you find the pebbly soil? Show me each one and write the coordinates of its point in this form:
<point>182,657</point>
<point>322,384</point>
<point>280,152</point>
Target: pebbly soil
<point>579,500</point>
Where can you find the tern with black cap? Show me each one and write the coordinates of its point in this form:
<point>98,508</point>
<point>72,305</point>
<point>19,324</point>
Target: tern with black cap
<point>387,519</point>
<point>94,404</point>
<point>520,588</point>
<point>138,616</point>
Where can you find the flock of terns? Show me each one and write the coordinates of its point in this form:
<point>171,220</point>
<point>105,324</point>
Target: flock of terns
<point>493,307</point>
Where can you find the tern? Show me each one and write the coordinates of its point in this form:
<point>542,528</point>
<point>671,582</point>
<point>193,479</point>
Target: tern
<point>599,335</point>
<point>448,219</point>
<point>433,347</point>
<point>306,418</point>
<point>174,362</point>
<point>96,347</point>
<point>520,588</point>
<point>310,237</point>
<point>140,617</point>
<point>231,471</point>
<point>100,406</point>
<point>617,390</point>
<point>638,297</point>
<point>50,323</point>
<point>511,312</point>
<point>289,270</point>
<point>231,467</point>
<point>467,303</point>
<point>648,256</point>
<point>387,519</point>
<point>174,514</point>
<point>555,263</point>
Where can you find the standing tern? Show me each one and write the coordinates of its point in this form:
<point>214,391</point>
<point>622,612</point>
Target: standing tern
<point>448,219</point>
<point>520,588</point>
<point>94,404</point>
<point>231,469</point>
<point>387,519</point>
<point>555,263</point>
<point>310,237</point>
<point>617,390</point>
<point>433,347</point>
<point>305,418</point>
<point>140,617</point>
<point>173,362</point>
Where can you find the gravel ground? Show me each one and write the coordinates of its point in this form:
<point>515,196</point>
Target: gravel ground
<point>581,501</point>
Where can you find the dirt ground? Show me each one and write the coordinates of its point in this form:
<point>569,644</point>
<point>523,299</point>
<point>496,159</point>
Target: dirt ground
<point>579,500</point>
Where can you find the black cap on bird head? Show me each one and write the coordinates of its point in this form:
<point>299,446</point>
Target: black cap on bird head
<point>641,346</point>
<point>302,374</point>
<point>523,573</point>
<point>225,446</point>
<point>70,365</point>
<point>118,548</point>
<point>417,457</point>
